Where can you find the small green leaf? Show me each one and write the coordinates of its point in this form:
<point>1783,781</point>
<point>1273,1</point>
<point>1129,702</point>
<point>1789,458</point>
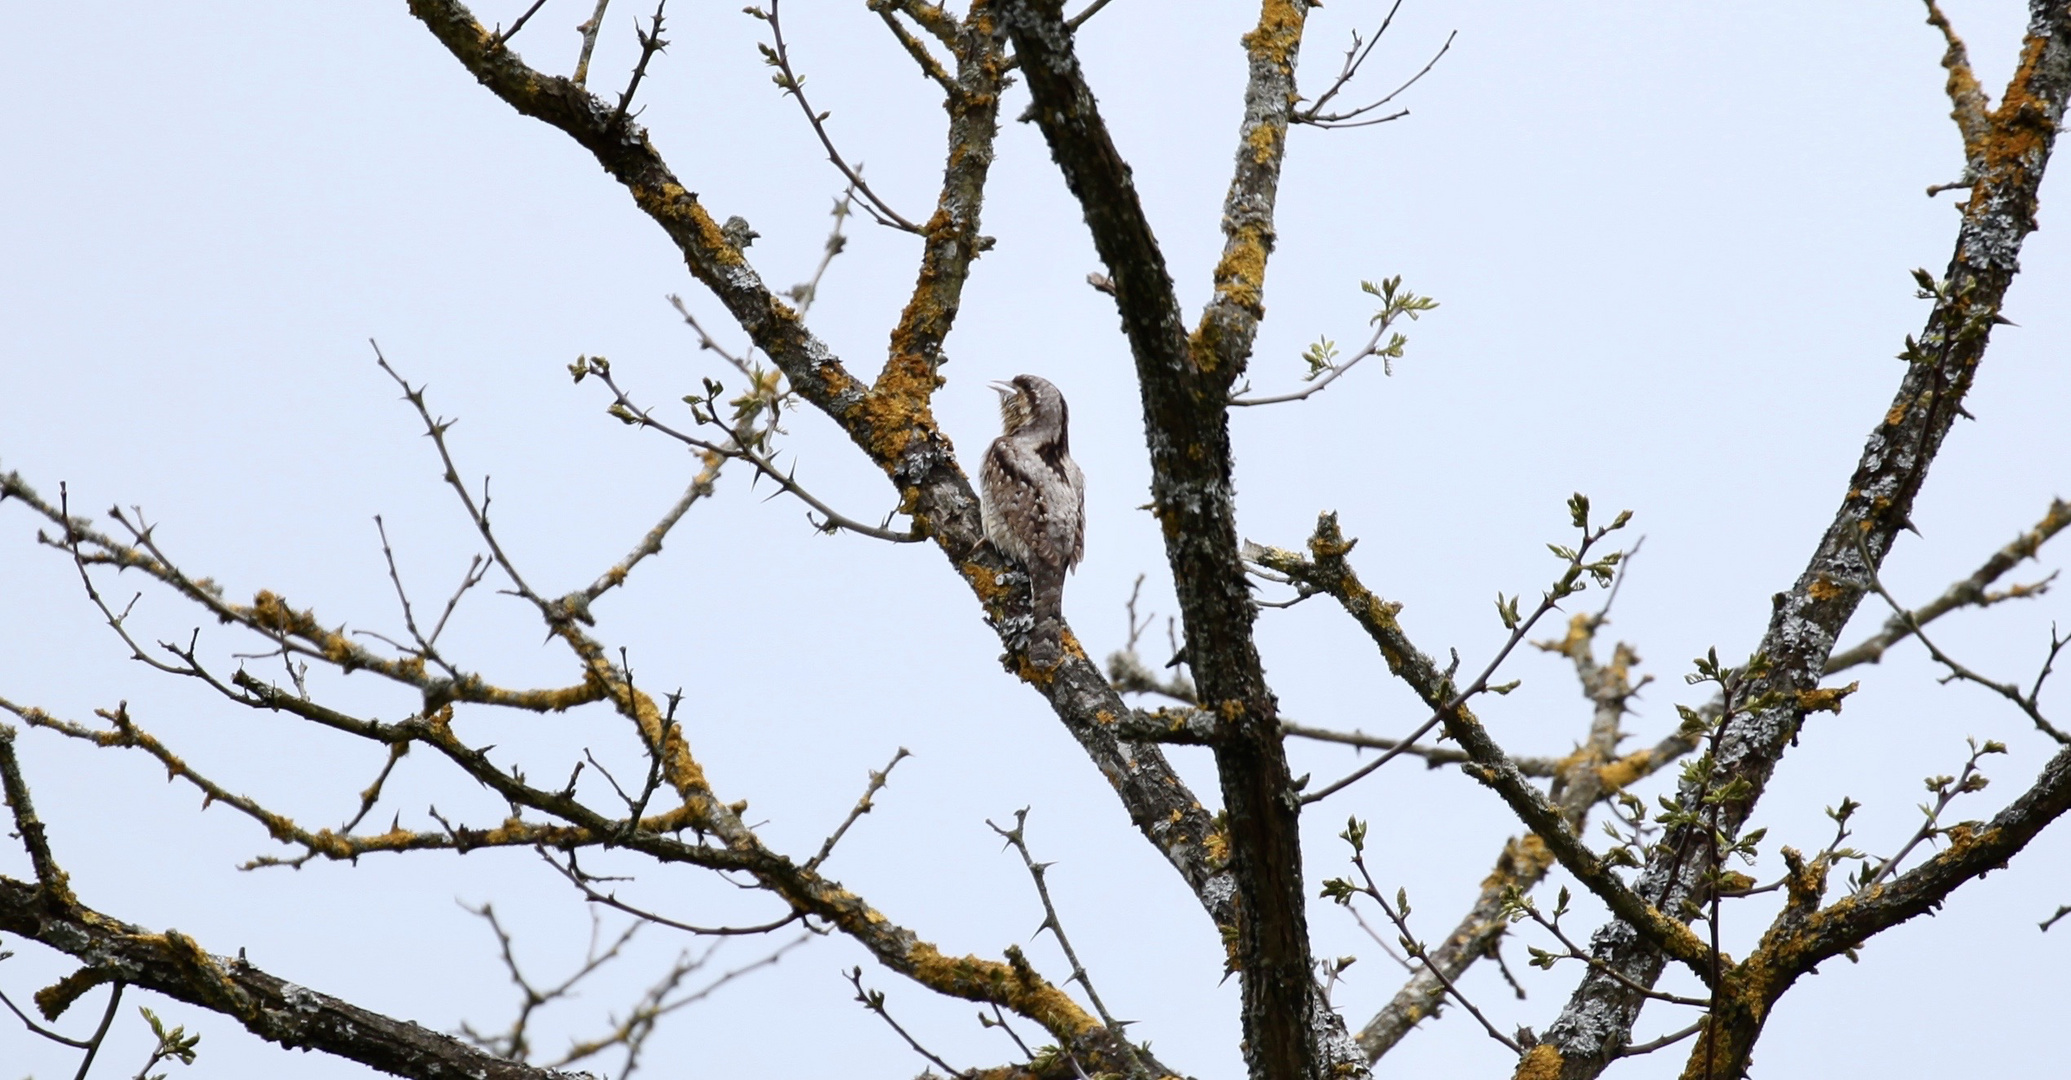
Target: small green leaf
<point>1578,509</point>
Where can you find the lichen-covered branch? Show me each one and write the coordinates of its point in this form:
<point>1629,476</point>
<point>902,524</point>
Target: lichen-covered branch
<point>1185,381</point>
<point>268,1006</point>
<point>1805,934</point>
<point>1581,780</point>
<point>892,421</point>
<point>1326,570</point>
<point>1973,591</point>
<point>2010,157</point>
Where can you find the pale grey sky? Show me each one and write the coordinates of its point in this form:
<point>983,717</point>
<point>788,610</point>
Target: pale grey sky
<point>1671,243</point>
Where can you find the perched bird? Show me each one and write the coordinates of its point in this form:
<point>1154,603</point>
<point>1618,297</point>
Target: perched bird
<point>1035,502</point>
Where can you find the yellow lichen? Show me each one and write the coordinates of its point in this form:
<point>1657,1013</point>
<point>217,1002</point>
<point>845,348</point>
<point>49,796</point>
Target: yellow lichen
<point>1625,770</point>
<point>1827,699</point>
<point>1541,1062</point>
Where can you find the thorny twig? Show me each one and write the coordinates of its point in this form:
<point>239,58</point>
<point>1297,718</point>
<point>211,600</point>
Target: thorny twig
<point>779,57</point>
<point>651,42</point>
<point>1126,670</point>
<point>514,1043</point>
<point>479,515</point>
<point>738,446</point>
<point>1971,591</point>
<point>878,777</point>
<point>874,1001</point>
<point>577,877</point>
<point>654,1004</point>
<point>1016,838</point>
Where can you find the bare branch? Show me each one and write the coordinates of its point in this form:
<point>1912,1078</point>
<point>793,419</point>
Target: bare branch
<point>272,1008</point>
<point>873,1000</point>
<point>2028,702</point>
<point>589,31</point>
<point>878,777</point>
<point>787,80</point>
<point>650,43</point>
<point>1017,839</point>
<point>503,37</point>
<point>1971,591</point>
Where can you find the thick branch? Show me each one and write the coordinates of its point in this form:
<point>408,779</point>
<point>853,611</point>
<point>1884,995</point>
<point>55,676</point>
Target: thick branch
<point>1326,570</point>
<point>1582,779</point>
<point>1185,382</point>
<point>1998,216</point>
<point>270,1007</point>
<point>1805,935</point>
<point>893,422</point>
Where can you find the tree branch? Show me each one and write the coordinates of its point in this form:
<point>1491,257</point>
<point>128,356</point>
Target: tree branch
<point>1185,381</point>
<point>892,423</point>
<point>270,1007</point>
<point>1940,367</point>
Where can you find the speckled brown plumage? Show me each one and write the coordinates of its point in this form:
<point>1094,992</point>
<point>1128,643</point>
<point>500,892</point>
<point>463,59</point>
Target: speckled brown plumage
<point>1035,502</point>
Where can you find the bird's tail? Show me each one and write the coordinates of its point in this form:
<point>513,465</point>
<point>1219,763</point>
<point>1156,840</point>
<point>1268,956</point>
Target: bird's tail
<point>1046,640</point>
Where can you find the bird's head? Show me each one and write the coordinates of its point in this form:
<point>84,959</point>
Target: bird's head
<point>1028,400</point>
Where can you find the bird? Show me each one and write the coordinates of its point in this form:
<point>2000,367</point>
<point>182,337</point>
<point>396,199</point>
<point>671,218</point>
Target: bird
<point>1034,500</point>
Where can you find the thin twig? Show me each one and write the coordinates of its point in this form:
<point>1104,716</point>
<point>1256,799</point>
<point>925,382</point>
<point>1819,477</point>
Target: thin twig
<point>804,293</point>
<point>1016,838</point>
<point>831,519</point>
<point>503,37</point>
<point>1345,120</point>
<point>1355,834</point>
<point>1322,357</point>
<point>874,1001</point>
<point>780,58</point>
<point>1576,564</point>
<point>581,881</point>
<point>1092,9</point>
<point>651,42</point>
<point>878,777</point>
<point>372,793</point>
<point>589,30</point>
<point>436,430</point>
<point>1670,1039</point>
<point>93,1045</point>
<point>1946,792</point>
<point>1971,591</point>
<point>2028,703</point>
<point>1354,58</point>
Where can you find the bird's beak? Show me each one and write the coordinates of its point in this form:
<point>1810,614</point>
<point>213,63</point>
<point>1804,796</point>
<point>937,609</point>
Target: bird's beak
<point>1005,389</point>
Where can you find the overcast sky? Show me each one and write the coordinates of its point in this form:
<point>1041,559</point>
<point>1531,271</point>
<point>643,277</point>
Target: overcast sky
<point>1672,246</point>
